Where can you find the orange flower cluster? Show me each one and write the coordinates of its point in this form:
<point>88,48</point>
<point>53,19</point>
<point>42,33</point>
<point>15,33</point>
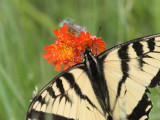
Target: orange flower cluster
<point>67,47</point>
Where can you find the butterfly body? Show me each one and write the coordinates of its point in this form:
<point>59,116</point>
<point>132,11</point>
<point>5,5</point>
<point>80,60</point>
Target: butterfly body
<point>96,88</point>
<point>96,76</point>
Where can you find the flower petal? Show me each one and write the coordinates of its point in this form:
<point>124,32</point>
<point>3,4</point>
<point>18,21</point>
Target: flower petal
<point>50,59</point>
<point>58,66</point>
<point>46,55</point>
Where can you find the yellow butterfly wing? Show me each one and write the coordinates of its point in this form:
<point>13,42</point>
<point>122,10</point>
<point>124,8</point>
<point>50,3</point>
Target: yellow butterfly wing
<point>129,69</point>
<point>69,96</point>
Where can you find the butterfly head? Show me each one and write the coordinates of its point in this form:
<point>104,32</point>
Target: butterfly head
<point>88,55</point>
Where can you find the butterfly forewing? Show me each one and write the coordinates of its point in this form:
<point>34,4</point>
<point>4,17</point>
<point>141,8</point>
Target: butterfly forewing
<point>69,96</point>
<point>129,69</point>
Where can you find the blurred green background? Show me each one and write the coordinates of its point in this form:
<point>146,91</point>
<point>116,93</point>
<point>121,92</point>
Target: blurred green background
<point>26,27</point>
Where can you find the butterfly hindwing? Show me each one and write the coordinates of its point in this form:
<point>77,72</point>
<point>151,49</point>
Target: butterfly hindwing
<point>129,69</point>
<point>69,96</point>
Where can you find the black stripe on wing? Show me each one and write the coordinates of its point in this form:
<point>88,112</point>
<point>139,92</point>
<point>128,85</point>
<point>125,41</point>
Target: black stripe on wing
<point>151,44</point>
<point>70,78</point>
<point>142,109</point>
<point>51,92</point>
<point>41,100</point>
<point>46,116</point>
<point>156,80</point>
<point>60,85</point>
<point>123,55</point>
<point>138,48</point>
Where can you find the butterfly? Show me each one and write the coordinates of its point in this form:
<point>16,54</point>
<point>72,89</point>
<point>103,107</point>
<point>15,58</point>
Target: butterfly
<point>103,87</point>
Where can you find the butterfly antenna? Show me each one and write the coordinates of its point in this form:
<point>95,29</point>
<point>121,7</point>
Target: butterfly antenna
<point>75,51</point>
<point>99,30</point>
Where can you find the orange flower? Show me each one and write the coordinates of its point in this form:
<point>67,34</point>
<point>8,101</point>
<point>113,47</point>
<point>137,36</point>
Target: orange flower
<point>67,47</point>
<point>91,42</point>
<point>85,40</point>
<point>98,45</point>
<point>63,50</point>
